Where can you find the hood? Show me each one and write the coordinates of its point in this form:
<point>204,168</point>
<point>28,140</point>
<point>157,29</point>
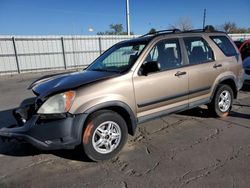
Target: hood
<point>61,82</point>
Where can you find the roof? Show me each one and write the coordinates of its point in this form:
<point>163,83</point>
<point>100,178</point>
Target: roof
<point>177,31</point>
<point>149,36</point>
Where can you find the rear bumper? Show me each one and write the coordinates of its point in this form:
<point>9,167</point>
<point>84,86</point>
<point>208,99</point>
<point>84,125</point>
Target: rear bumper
<point>48,134</point>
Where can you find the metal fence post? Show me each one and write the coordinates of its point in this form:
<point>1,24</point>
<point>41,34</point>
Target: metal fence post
<point>63,53</point>
<point>100,45</point>
<point>16,55</point>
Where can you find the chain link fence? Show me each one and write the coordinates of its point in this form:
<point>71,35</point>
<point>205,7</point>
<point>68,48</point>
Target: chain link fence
<point>19,54</point>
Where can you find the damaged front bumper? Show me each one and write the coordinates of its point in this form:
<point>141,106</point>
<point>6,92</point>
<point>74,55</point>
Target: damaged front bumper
<point>62,131</point>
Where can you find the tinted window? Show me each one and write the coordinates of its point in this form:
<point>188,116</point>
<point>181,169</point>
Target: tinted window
<point>198,50</point>
<point>224,44</point>
<point>166,53</point>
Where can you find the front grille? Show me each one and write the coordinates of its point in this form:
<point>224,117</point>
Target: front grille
<point>24,113</point>
<point>247,72</point>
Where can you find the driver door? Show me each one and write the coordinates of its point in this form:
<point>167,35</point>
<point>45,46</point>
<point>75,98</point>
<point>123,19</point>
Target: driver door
<point>165,90</point>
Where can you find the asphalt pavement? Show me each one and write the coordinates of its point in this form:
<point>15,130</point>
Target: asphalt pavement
<point>189,149</point>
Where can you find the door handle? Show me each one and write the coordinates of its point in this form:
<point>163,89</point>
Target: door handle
<point>217,65</point>
<point>179,73</point>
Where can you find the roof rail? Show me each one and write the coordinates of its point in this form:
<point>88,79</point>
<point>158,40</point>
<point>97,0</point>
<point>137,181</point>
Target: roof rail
<point>162,32</point>
<point>169,31</point>
<point>201,30</point>
<point>194,30</point>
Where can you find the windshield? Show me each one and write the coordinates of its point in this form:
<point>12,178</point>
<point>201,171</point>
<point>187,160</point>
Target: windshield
<point>119,58</point>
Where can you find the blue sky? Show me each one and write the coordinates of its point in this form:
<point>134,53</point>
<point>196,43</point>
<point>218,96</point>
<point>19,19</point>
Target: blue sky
<point>30,17</point>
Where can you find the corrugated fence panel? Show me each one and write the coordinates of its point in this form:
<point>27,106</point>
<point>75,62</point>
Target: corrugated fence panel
<point>39,53</point>
<point>7,56</point>
<point>36,53</point>
<point>80,51</point>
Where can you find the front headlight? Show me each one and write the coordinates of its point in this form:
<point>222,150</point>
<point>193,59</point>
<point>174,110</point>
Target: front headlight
<point>59,103</point>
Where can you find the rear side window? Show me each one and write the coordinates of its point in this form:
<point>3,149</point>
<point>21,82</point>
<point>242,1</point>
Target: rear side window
<point>198,50</point>
<point>225,45</point>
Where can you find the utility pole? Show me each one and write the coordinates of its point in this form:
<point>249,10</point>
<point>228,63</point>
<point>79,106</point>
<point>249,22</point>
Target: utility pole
<point>204,18</point>
<point>127,17</point>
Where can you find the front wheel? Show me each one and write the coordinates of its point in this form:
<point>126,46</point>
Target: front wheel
<point>222,101</point>
<point>105,135</point>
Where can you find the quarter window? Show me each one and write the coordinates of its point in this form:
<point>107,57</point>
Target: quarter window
<point>198,50</point>
<point>225,45</point>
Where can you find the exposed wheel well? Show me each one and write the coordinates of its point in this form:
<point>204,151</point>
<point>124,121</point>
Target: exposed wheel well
<point>231,83</point>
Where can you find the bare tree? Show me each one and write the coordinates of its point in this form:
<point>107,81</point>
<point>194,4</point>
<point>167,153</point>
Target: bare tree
<point>229,27</point>
<point>183,24</point>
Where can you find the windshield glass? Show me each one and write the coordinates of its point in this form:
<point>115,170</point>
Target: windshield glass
<point>119,58</point>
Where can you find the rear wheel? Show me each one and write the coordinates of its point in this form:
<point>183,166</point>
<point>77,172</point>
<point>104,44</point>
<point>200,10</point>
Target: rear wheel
<point>105,135</point>
<point>222,101</point>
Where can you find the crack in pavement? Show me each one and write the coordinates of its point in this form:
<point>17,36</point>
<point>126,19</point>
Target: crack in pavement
<point>177,150</point>
<point>26,167</point>
<point>124,184</point>
<point>147,150</point>
<point>123,165</point>
<point>133,172</point>
<point>153,168</point>
<point>213,135</point>
<point>193,175</point>
<point>234,123</point>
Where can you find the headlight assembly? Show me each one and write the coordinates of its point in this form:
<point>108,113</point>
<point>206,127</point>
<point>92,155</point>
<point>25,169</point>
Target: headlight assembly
<point>59,103</point>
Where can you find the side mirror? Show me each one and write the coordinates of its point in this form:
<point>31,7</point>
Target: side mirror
<point>149,67</point>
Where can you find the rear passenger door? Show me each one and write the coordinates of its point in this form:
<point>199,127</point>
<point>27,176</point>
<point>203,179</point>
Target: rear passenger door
<point>202,69</point>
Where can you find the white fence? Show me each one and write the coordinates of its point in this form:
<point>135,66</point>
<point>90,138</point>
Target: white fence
<point>244,36</point>
<point>20,54</point>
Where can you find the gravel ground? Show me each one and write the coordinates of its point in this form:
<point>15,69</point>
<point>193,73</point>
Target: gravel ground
<point>190,149</point>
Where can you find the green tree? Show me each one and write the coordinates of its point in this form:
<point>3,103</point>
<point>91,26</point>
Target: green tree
<point>115,29</point>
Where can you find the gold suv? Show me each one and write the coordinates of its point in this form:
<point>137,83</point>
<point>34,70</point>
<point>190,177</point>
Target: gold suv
<point>132,82</point>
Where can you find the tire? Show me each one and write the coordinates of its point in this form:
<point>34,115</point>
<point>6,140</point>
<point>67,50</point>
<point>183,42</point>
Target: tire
<point>222,101</point>
<point>104,136</point>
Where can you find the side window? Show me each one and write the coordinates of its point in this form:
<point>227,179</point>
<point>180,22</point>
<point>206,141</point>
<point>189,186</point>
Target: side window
<point>225,45</point>
<point>198,50</point>
<point>167,54</point>
<point>153,55</point>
